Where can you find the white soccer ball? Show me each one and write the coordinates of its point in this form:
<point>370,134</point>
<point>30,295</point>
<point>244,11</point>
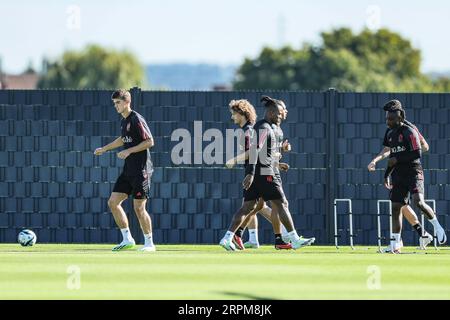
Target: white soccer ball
<point>27,238</point>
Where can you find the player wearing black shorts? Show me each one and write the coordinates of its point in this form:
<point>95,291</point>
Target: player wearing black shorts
<point>262,182</point>
<point>244,115</point>
<point>136,139</point>
<point>282,241</point>
<point>407,175</point>
<point>424,237</point>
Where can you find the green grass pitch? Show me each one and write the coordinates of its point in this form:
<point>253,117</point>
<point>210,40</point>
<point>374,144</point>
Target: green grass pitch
<point>46,271</point>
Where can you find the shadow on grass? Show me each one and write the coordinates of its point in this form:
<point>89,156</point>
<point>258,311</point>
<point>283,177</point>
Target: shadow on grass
<point>243,295</point>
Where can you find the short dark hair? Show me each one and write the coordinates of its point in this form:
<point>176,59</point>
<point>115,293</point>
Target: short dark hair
<point>122,94</point>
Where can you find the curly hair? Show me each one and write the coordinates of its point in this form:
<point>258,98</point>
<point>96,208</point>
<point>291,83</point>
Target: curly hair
<point>244,108</point>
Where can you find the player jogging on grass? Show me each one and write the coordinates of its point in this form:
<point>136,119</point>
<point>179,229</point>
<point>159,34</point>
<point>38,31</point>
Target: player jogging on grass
<point>407,176</point>
<point>251,222</point>
<point>424,237</point>
<point>261,181</point>
<point>137,171</point>
<point>244,115</point>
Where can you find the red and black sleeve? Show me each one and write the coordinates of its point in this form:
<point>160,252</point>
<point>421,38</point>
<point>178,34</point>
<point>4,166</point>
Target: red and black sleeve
<point>143,129</point>
<point>412,144</point>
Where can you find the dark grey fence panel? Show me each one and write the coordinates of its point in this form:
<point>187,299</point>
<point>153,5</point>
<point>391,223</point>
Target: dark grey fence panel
<point>51,181</point>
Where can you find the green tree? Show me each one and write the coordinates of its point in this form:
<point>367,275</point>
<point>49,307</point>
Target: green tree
<point>368,61</point>
<point>442,85</point>
<point>93,67</point>
<point>383,50</point>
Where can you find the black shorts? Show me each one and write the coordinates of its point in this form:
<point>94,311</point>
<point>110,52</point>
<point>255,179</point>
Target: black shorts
<point>266,187</point>
<point>137,186</point>
<point>405,183</point>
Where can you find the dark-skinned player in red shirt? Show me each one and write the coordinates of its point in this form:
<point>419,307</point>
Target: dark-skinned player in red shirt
<point>407,175</point>
<point>261,181</point>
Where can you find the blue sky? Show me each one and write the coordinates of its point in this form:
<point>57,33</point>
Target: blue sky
<point>209,31</point>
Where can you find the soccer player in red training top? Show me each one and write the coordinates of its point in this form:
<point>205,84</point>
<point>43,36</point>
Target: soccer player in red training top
<point>261,181</point>
<point>281,234</point>
<point>424,237</point>
<point>135,178</point>
<point>244,115</point>
<point>407,175</point>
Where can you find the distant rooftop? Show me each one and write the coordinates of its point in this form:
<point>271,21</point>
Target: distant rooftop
<point>26,80</point>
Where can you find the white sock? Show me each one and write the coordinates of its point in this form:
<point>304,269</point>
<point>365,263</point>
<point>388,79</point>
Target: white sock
<point>435,223</point>
<point>293,235</point>
<point>148,240</point>
<point>284,231</point>
<point>229,235</point>
<point>395,241</point>
<point>253,235</point>
<point>126,234</point>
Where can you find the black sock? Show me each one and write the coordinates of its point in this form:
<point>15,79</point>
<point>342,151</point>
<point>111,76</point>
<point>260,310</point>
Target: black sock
<point>278,239</point>
<point>418,229</point>
<point>239,232</point>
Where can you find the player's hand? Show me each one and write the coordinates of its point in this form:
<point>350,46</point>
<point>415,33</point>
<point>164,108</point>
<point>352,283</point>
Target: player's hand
<point>248,180</point>
<point>230,163</point>
<point>277,155</point>
<point>371,166</point>
<point>387,183</point>
<point>286,146</point>
<point>392,162</point>
<point>99,151</point>
<point>123,154</point>
<point>283,166</point>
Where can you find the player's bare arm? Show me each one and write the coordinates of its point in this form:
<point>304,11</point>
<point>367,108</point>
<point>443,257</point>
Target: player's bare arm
<point>144,145</point>
<point>424,144</point>
<point>239,158</point>
<point>283,166</point>
<point>248,180</point>
<point>286,146</point>
<point>111,146</point>
<point>384,153</point>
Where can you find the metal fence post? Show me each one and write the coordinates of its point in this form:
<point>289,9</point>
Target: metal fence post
<point>331,98</point>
